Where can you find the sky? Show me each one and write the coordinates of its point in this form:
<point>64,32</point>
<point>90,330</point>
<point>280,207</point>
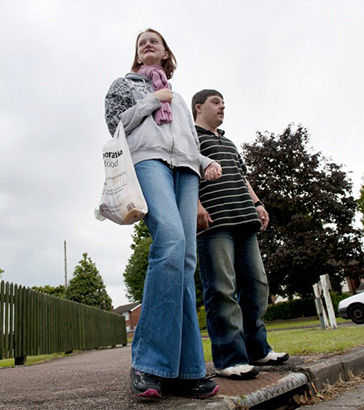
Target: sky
<point>276,62</point>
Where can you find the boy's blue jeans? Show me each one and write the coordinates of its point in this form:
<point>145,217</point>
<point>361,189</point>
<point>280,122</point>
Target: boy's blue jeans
<point>235,294</point>
<point>167,341</point>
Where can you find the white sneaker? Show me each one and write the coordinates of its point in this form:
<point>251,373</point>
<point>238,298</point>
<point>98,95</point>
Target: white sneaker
<point>239,371</point>
<point>272,358</point>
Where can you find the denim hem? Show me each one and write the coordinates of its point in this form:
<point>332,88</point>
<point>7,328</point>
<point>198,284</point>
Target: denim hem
<point>192,376</point>
<point>253,359</point>
<point>231,365</point>
<point>169,375</point>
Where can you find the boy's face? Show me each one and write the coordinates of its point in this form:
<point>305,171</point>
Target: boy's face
<point>212,111</point>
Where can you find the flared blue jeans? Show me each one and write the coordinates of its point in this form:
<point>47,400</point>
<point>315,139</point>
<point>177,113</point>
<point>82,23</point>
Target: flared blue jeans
<point>167,340</point>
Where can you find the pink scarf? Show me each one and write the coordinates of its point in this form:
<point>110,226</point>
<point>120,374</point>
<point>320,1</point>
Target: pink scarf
<point>159,80</point>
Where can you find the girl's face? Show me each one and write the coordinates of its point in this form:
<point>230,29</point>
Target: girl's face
<point>150,49</point>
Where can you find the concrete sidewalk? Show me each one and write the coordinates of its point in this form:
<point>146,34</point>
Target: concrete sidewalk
<point>350,400</point>
<point>100,380</point>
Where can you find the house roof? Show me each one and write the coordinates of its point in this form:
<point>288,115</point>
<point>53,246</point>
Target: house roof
<point>126,308</point>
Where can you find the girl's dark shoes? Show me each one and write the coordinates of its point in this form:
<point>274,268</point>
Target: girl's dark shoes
<point>191,388</point>
<point>149,385</point>
<point>145,384</point>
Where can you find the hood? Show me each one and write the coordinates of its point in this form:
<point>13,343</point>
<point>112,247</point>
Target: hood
<point>137,77</point>
<point>359,298</point>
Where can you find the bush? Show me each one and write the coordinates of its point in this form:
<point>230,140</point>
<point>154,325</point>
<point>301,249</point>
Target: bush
<point>298,308</point>
<point>292,309</point>
<point>336,298</point>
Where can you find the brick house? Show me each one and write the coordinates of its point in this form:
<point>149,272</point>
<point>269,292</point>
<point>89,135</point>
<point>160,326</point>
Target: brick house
<point>131,312</point>
<point>355,285</point>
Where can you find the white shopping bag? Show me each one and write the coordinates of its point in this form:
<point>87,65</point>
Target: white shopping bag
<point>122,199</point>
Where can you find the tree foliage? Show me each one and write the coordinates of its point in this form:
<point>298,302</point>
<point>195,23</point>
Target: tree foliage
<point>135,271</point>
<point>87,286</point>
<point>311,208</point>
<point>58,291</point>
<point>360,202</point>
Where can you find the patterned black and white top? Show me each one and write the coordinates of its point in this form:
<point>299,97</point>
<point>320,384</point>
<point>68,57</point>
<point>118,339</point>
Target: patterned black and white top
<point>121,96</point>
<point>227,199</point>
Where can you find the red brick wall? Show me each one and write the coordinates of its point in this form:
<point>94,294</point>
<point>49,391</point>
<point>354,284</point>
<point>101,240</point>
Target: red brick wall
<point>134,317</point>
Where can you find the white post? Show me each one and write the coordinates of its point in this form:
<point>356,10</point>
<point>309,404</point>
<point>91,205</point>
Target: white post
<point>326,286</point>
<point>317,290</point>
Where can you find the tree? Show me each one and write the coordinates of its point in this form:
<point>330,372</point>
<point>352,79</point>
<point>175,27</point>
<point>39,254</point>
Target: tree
<point>360,202</point>
<point>87,286</point>
<point>135,271</point>
<point>58,291</point>
<point>311,210</point>
<point>1,271</point>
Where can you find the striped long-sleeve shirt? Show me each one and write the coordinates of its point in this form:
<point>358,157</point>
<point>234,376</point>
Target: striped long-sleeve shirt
<point>227,199</point>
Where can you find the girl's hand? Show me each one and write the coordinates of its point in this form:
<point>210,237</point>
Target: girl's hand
<point>213,171</point>
<point>164,95</point>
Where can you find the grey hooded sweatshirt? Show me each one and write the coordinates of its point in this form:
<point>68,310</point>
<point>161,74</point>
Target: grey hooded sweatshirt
<point>130,100</point>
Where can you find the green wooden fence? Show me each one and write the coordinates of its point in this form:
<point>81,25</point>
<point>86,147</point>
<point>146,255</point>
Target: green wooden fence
<point>34,323</point>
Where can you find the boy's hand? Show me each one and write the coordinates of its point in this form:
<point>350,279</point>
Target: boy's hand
<point>263,216</point>
<point>203,217</point>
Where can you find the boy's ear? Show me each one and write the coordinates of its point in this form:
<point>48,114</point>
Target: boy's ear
<point>198,108</point>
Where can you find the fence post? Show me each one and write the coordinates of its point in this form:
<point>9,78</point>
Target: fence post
<point>12,307</point>
<point>19,353</point>
<point>6,323</point>
<point>2,335</point>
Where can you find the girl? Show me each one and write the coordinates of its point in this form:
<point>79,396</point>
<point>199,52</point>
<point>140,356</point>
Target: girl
<point>167,349</point>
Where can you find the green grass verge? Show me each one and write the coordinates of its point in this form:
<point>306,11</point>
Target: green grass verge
<point>310,341</point>
<point>31,359</point>
<point>317,341</point>
<point>285,324</point>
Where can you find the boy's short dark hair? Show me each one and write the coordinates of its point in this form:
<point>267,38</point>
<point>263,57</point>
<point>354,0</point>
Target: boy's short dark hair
<point>201,97</point>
